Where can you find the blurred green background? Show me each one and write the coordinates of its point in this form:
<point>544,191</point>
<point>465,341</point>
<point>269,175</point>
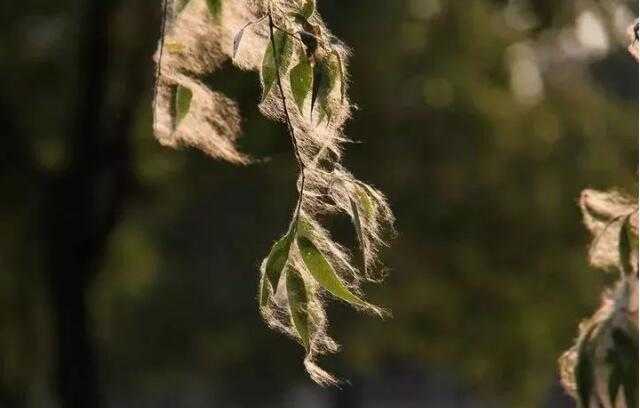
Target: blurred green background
<point>128,271</point>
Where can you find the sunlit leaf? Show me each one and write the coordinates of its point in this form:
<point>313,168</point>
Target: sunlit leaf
<point>343,88</point>
<point>324,273</point>
<point>301,78</point>
<point>325,75</point>
<point>275,62</point>
<point>365,201</point>
<point>359,233</point>
<point>298,305</point>
<point>263,294</point>
<point>307,9</point>
<point>182,102</point>
<point>215,7</point>
<point>180,5</point>
<point>277,260</point>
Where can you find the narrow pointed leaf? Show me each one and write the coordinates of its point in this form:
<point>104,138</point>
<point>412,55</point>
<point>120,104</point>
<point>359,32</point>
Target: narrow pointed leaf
<point>317,79</point>
<point>343,88</point>
<point>215,7</point>
<point>182,102</point>
<point>263,291</point>
<point>615,379</point>
<point>298,305</point>
<point>627,352</point>
<point>301,78</point>
<point>359,233</point>
<point>275,60</point>
<point>584,375</point>
<point>277,260</point>
<point>324,273</point>
<point>365,201</point>
<point>624,247</point>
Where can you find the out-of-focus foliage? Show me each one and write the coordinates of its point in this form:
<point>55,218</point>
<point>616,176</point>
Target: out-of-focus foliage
<point>482,120</point>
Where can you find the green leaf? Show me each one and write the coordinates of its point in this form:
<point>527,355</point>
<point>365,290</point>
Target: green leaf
<point>325,74</point>
<point>343,89</point>
<point>365,201</point>
<point>180,5</point>
<point>298,305</point>
<point>615,376</point>
<point>263,294</point>
<point>624,247</point>
<point>277,260</point>
<point>215,7</point>
<point>359,233</point>
<point>182,102</point>
<point>307,9</point>
<point>274,63</point>
<point>301,77</point>
<point>627,352</point>
<point>324,273</point>
<point>584,374</point>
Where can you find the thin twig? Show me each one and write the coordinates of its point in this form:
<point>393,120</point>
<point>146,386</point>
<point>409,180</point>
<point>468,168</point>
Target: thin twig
<point>294,141</point>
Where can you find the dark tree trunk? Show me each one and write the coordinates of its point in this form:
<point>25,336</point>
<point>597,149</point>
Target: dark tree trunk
<point>82,206</point>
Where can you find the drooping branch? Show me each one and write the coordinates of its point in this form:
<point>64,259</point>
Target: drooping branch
<point>601,369</point>
<point>303,73</point>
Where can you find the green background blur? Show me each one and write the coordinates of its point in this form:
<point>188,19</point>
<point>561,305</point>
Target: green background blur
<point>482,120</point>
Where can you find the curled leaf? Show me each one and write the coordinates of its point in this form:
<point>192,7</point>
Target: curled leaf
<point>624,246</point>
<point>359,233</point>
<point>182,102</point>
<point>301,77</point>
<point>298,303</point>
<point>277,260</point>
<point>238,38</point>
<point>324,273</point>
<point>275,60</point>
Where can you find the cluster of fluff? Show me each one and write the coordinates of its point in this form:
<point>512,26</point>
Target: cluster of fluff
<point>607,215</point>
<point>195,44</point>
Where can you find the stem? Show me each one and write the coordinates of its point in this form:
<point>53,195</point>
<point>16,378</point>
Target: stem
<point>294,141</point>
